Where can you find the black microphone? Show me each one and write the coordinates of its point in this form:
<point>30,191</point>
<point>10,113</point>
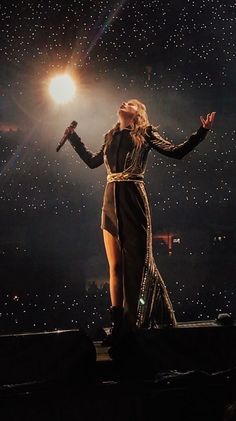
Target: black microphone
<point>73,125</point>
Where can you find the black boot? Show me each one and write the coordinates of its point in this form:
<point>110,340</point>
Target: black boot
<point>117,324</point>
<point>117,321</point>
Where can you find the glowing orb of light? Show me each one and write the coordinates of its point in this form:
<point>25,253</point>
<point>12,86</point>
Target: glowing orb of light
<point>62,88</point>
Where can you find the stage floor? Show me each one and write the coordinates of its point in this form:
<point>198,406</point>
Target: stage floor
<point>183,373</point>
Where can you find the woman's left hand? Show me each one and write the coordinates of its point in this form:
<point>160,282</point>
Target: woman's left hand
<point>207,123</point>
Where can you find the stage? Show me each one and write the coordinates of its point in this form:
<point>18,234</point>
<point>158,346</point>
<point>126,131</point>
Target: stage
<point>187,372</point>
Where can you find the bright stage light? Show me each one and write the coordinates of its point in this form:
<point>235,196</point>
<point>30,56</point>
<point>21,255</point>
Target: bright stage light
<point>62,88</point>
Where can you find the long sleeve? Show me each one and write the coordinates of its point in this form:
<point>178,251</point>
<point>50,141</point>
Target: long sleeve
<point>167,148</point>
<point>93,160</point>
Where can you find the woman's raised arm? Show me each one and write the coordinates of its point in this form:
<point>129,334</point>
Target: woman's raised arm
<point>165,147</point>
<point>93,160</point>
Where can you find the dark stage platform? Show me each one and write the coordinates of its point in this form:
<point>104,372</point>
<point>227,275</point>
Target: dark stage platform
<point>188,372</point>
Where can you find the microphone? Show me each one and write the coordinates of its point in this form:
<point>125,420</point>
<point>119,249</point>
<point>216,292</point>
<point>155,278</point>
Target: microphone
<point>72,125</point>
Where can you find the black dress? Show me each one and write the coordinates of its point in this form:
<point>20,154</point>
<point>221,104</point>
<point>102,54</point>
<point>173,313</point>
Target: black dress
<point>126,215</point>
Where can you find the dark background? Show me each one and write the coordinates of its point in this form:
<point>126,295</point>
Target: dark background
<point>176,57</point>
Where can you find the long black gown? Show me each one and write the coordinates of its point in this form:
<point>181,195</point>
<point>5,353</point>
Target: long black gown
<point>126,215</point>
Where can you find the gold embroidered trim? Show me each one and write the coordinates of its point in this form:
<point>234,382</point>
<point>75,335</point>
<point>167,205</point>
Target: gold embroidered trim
<point>124,176</point>
<point>153,292</point>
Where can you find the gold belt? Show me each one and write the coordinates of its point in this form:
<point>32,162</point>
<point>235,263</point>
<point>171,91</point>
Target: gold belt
<point>124,176</point>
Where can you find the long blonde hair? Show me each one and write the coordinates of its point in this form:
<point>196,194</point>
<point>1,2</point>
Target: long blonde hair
<point>140,122</point>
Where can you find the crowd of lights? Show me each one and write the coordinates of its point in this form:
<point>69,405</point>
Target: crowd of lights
<point>36,311</point>
<point>177,50</point>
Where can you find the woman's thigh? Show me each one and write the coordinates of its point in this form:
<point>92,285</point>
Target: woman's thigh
<point>112,248</point>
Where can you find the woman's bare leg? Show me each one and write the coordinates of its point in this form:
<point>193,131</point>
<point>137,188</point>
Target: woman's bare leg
<point>114,258</point>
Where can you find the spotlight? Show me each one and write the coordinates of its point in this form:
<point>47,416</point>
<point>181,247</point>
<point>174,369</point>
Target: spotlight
<point>62,88</point>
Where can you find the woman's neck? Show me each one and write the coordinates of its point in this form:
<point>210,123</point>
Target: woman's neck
<point>125,122</point>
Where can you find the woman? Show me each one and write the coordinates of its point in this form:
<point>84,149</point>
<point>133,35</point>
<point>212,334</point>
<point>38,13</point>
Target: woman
<point>137,291</point>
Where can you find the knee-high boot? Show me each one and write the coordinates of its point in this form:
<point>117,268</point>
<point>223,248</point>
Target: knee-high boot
<point>117,324</point>
<point>117,321</point>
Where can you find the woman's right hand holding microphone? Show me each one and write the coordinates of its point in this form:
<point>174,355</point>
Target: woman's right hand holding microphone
<point>68,131</point>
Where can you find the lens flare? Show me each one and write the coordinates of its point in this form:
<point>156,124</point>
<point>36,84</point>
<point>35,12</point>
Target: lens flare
<point>62,89</point>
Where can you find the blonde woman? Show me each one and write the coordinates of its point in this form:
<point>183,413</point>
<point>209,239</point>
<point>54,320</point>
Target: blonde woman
<point>138,294</point>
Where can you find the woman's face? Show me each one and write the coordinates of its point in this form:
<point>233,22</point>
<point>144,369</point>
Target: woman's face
<point>128,109</point>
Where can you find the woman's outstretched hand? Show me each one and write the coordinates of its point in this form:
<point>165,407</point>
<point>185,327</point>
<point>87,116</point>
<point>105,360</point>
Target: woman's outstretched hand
<point>69,130</point>
<point>207,123</point>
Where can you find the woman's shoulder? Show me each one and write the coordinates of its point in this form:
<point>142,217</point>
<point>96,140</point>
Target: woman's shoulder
<point>150,131</point>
